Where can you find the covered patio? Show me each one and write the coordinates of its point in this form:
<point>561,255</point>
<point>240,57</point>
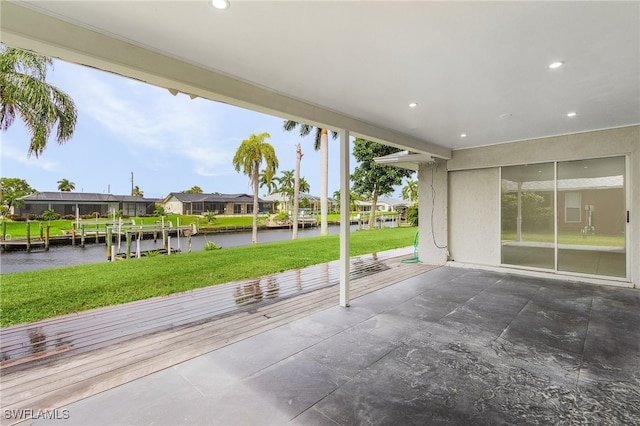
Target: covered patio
<point>445,346</point>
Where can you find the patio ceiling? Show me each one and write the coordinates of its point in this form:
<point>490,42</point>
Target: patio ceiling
<point>474,68</point>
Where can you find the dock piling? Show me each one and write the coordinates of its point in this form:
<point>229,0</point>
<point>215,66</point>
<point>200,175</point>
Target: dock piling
<point>128,245</point>
<point>109,243</point>
<point>28,236</point>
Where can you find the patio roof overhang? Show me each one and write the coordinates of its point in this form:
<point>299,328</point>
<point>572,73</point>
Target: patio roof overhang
<point>405,160</point>
<point>479,68</point>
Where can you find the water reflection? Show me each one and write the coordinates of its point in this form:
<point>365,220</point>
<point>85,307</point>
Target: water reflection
<point>248,293</point>
<point>37,340</point>
<point>273,288</point>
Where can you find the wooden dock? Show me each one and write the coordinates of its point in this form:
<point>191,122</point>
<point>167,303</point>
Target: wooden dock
<point>55,362</point>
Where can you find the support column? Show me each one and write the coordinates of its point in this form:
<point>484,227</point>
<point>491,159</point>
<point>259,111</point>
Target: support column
<point>345,225</point>
<point>433,205</point>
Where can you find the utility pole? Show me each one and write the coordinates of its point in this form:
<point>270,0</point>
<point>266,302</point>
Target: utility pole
<point>131,183</point>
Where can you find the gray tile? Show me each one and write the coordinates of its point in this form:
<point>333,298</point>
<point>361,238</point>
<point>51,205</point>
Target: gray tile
<point>350,352</point>
<point>541,325</point>
<point>332,321</point>
<point>282,391</point>
<point>210,372</point>
<point>164,397</point>
<point>424,308</point>
<point>392,328</point>
<point>612,348</point>
<point>604,402</point>
<point>313,417</point>
<point>571,298</point>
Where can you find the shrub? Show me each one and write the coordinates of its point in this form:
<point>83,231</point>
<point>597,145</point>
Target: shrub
<point>412,215</point>
<point>211,246</point>
<point>69,217</point>
<point>50,215</point>
<point>210,217</point>
<point>282,216</point>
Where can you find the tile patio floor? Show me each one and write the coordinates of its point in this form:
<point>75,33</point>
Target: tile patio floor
<point>449,346</point>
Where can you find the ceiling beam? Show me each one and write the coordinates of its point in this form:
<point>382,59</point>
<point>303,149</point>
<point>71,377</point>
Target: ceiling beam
<point>25,28</point>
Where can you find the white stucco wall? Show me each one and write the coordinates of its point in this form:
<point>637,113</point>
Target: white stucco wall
<point>432,207</point>
<point>173,206</point>
<point>474,216</point>
<point>468,165</point>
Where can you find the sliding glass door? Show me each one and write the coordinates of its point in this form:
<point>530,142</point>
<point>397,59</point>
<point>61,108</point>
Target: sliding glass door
<point>566,216</point>
<point>528,237</point>
<point>592,217</point>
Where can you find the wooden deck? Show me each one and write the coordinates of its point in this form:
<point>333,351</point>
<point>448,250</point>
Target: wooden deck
<point>55,362</point>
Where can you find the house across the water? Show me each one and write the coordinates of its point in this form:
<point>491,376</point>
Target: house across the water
<point>83,204</point>
<point>223,204</point>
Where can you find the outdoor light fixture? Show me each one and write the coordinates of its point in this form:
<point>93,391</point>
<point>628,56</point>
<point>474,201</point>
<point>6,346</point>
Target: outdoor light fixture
<point>220,4</point>
<point>555,65</point>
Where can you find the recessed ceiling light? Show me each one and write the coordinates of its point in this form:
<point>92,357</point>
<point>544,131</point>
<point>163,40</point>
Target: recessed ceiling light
<point>463,135</point>
<point>506,115</point>
<point>413,104</point>
<point>555,65</point>
<point>571,114</point>
<point>220,4</point>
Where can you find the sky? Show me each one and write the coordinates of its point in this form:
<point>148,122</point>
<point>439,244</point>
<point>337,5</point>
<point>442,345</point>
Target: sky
<point>170,143</point>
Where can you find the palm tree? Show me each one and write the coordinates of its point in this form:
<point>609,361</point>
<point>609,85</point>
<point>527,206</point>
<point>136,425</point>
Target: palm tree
<point>410,191</point>
<point>267,180</point>
<point>353,197</point>
<point>65,185</point>
<point>193,190</point>
<point>321,144</point>
<point>285,185</point>
<point>41,106</point>
<point>248,159</point>
<point>137,192</point>
<point>304,185</point>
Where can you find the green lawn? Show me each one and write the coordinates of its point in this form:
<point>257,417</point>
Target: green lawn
<point>58,227</point>
<point>31,296</point>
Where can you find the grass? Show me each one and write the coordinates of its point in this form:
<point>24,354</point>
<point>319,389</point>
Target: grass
<point>58,227</point>
<point>35,295</point>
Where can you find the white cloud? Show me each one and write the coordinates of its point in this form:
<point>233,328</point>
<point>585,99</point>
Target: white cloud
<point>19,156</point>
<point>151,123</point>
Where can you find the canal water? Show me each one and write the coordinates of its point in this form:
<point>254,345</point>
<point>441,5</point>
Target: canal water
<point>57,256</point>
